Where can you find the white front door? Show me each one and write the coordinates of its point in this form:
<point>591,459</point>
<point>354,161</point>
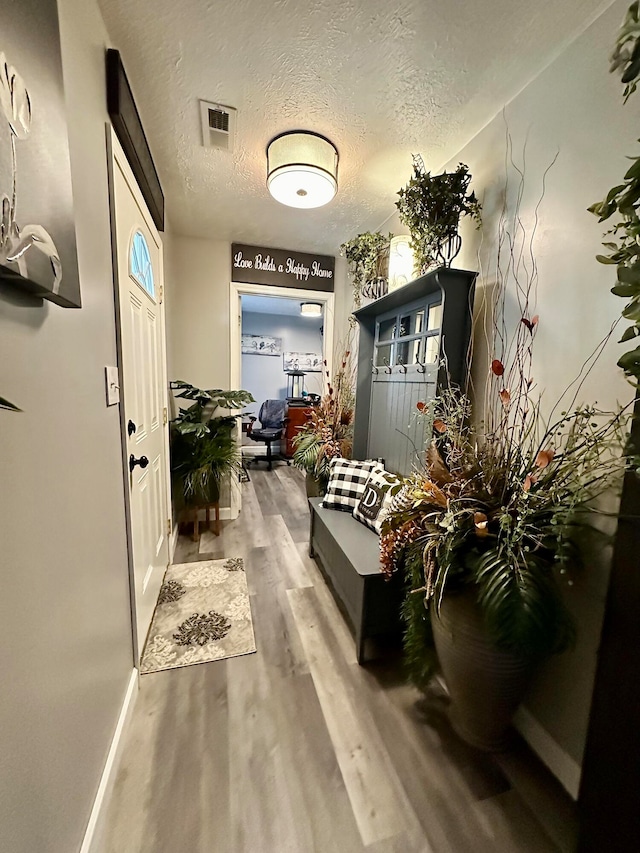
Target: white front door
<point>143,375</point>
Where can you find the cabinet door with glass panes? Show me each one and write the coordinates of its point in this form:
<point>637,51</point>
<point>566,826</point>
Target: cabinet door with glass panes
<point>411,341</point>
<point>409,337</point>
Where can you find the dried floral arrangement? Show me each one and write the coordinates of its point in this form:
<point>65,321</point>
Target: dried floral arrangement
<point>328,433</point>
<point>506,490</point>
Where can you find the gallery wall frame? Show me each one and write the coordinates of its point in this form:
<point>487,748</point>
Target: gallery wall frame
<point>261,345</point>
<point>38,251</point>
<point>308,362</point>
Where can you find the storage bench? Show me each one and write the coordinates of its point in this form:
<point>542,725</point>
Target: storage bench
<point>349,556</point>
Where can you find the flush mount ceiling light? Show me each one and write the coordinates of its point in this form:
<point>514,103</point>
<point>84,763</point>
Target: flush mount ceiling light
<point>302,169</point>
<point>311,309</point>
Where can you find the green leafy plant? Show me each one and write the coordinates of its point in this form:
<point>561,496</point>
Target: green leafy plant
<point>622,202</point>
<point>626,53</point>
<point>431,207</point>
<point>203,449</point>
<point>368,259</point>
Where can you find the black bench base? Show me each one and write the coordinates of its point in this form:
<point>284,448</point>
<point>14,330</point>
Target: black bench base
<point>349,556</point>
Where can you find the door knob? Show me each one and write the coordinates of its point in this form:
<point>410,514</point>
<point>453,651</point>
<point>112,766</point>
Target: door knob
<point>131,428</point>
<point>142,462</point>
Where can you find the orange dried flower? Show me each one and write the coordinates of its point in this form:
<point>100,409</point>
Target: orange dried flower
<point>544,457</point>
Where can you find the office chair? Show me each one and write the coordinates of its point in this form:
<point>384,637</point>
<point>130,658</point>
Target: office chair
<point>272,417</point>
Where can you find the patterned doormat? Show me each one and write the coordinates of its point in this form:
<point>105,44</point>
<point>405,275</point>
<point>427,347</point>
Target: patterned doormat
<point>202,614</point>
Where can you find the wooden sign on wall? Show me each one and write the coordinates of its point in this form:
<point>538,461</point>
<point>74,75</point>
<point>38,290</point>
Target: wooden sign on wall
<point>281,267</point>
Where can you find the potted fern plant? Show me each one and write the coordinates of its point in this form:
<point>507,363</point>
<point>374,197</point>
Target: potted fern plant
<point>486,536</point>
<point>431,207</point>
<point>203,449</point>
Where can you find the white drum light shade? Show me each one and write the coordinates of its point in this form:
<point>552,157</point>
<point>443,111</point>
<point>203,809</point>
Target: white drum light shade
<point>311,309</point>
<point>302,169</point>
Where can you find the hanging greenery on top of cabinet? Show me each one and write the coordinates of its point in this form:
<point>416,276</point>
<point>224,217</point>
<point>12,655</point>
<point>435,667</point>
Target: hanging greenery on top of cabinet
<point>368,259</point>
<point>431,206</point>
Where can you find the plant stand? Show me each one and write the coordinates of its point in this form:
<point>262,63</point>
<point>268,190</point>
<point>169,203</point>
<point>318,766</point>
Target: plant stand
<point>196,520</point>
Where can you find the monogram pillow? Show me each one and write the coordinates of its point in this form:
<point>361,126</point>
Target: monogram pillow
<point>376,499</point>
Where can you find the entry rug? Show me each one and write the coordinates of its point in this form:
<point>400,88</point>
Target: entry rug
<point>202,614</point>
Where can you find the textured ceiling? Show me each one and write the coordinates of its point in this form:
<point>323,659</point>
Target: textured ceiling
<point>382,80</point>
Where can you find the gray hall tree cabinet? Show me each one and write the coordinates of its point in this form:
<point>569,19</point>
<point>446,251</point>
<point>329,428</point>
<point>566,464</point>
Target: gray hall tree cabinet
<point>413,341</point>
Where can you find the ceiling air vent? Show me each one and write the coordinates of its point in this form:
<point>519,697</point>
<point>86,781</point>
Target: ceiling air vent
<point>218,125</point>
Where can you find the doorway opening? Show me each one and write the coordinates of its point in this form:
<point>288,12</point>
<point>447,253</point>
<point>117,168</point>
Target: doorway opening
<point>278,352</point>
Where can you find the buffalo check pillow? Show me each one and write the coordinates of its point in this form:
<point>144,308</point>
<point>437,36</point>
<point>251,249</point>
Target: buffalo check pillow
<point>347,479</point>
<point>374,504</point>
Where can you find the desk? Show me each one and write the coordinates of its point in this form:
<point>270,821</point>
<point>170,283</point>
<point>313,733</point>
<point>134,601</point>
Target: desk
<point>297,417</point>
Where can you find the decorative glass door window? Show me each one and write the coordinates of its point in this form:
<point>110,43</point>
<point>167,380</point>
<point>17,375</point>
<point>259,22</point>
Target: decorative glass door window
<point>410,336</point>
<point>140,267</point>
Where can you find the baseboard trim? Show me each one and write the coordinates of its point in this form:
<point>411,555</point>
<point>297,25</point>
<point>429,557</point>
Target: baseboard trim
<point>108,773</point>
<point>562,765</point>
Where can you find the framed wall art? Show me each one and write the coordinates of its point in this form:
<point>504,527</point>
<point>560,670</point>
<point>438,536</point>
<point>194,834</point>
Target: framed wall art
<point>37,232</point>
<point>261,345</point>
<point>308,362</point>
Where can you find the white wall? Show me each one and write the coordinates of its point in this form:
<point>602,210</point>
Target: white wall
<point>575,108</point>
<point>65,622</point>
<point>263,375</point>
<point>198,311</point>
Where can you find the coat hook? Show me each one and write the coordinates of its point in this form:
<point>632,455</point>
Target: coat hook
<point>402,365</point>
<point>374,369</point>
<point>388,366</point>
<point>422,366</point>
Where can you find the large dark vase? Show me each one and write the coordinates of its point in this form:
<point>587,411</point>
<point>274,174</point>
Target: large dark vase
<point>486,684</point>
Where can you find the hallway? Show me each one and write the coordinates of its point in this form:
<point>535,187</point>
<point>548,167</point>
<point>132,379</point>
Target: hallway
<point>297,748</point>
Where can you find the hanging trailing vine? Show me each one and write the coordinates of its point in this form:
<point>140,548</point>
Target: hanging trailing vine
<point>623,202</point>
<point>368,259</point>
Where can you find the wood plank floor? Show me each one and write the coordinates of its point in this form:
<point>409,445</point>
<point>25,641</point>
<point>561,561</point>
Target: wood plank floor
<point>297,748</point>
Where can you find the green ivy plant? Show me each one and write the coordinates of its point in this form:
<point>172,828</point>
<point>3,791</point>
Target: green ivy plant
<point>365,256</point>
<point>626,53</point>
<point>623,201</point>
<point>431,207</point>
